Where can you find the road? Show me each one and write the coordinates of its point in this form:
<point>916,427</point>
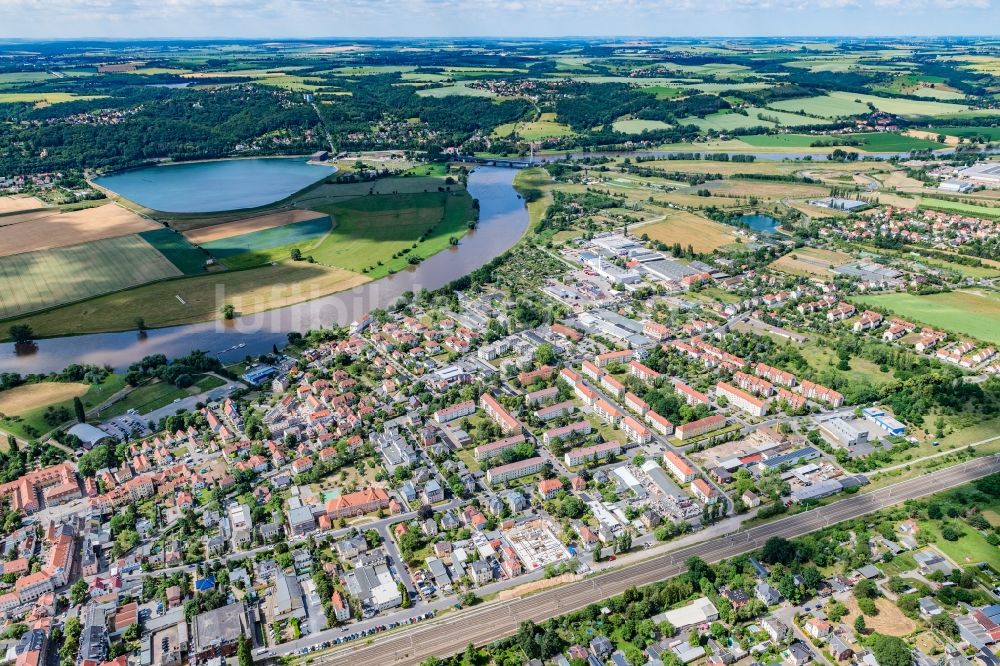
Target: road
<point>451,633</point>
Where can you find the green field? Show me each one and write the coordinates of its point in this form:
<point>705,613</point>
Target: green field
<point>37,280</point>
<point>639,126</point>
<point>971,549</point>
<point>159,394</point>
<point>839,103</point>
<point>664,92</point>
<point>188,259</point>
<point>725,122</point>
<point>95,395</point>
<point>973,312</point>
<point>533,131</point>
<point>44,98</point>
<point>959,207</point>
<point>370,230</point>
<point>255,247</point>
<point>457,89</point>
<point>990,133</point>
<point>873,142</point>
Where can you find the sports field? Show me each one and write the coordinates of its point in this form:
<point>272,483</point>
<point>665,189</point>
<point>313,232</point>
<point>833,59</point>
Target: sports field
<point>160,304</point>
<point>370,230</point>
<point>188,259</point>
<point>974,312</point>
<point>21,399</point>
<point>248,225</point>
<point>43,230</point>
<point>689,229</point>
<point>35,280</point>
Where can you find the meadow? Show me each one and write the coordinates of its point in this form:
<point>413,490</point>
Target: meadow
<point>43,99</point>
<point>872,142</point>
<point>637,126</point>
<point>973,312</point>
<point>36,280</point>
<point>368,231</point>
<point>959,207</point>
<point>188,259</point>
<point>990,133</point>
<point>457,89</point>
<point>839,103</point>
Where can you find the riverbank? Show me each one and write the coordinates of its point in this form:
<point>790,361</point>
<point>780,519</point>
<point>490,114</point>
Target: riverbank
<point>503,221</point>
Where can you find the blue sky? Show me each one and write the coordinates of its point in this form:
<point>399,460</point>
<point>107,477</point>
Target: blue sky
<point>43,19</point>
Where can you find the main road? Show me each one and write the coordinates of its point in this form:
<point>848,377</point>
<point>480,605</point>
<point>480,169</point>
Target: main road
<point>483,624</point>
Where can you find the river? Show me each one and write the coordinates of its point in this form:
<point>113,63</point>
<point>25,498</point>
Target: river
<point>503,219</point>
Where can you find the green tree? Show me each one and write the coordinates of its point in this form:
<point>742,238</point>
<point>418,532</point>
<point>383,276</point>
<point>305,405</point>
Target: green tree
<point>21,334</point>
<point>78,592</point>
<point>891,651</point>
<point>243,654</point>
<point>228,311</point>
<point>859,624</point>
<point>81,413</point>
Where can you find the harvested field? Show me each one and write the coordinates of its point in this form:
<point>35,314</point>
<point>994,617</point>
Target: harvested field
<point>689,229</point>
<point>46,231</point>
<point>249,225</point>
<point>808,262</point>
<point>21,399</point>
<point>35,280</point>
<point>890,620</point>
<point>250,291</point>
<point>18,203</point>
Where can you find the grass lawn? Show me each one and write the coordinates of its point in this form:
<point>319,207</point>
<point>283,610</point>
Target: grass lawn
<point>34,418</point>
<point>194,299</point>
<point>370,230</point>
<point>974,312</point>
<point>153,396</point>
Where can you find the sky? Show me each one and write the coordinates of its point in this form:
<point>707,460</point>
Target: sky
<point>131,19</point>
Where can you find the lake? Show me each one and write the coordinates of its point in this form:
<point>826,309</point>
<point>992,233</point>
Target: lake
<point>760,223</point>
<point>210,187</point>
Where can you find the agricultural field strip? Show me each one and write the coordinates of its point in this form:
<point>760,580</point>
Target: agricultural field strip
<point>36,280</point>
